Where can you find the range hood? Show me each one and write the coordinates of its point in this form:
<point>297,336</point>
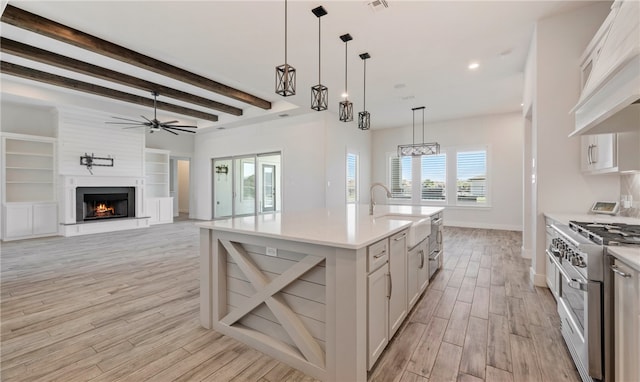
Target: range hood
<point>613,83</point>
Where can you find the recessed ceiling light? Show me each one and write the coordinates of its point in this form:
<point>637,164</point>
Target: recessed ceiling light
<point>283,115</point>
<point>522,104</point>
<point>221,128</point>
<point>473,66</point>
<point>406,98</point>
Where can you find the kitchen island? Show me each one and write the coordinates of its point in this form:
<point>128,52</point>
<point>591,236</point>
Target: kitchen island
<point>299,286</point>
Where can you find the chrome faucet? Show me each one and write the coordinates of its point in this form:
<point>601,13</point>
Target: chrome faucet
<point>371,202</point>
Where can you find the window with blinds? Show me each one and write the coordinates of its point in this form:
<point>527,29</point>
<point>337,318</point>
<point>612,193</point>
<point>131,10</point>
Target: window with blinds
<point>400,177</point>
<point>352,178</point>
<point>471,178</point>
<point>433,177</point>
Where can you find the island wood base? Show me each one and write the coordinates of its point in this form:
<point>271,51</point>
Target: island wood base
<point>306,306</point>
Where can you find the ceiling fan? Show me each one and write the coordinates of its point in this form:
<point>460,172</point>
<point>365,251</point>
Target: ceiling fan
<point>154,124</point>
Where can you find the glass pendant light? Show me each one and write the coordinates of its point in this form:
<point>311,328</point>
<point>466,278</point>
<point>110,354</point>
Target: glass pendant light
<point>418,149</point>
<point>285,74</point>
<point>364,118</point>
<point>346,107</point>
<point>319,93</point>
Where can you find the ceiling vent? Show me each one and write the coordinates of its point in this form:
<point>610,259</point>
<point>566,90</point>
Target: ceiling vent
<point>378,5</point>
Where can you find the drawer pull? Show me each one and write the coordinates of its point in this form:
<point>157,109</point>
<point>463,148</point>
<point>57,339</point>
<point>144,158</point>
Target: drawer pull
<point>617,270</point>
<point>379,255</point>
<point>401,237</point>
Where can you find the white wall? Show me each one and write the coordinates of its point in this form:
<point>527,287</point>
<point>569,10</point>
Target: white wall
<point>181,145</point>
<point>84,131</point>
<point>28,119</point>
<point>561,187</point>
<point>341,138</point>
<point>503,134</point>
<point>313,150</point>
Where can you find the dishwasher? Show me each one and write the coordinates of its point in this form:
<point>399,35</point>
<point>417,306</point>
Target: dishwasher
<point>435,244</point>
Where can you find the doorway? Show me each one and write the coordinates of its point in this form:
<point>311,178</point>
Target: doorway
<point>180,190</point>
<point>246,185</point>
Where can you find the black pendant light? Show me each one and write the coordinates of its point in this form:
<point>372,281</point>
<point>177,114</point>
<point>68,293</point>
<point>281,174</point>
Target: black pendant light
<point>285,74</point>
<point>364,118</point>
<point>346,108</point>
<point>319,93</point>
<point>418,149</point>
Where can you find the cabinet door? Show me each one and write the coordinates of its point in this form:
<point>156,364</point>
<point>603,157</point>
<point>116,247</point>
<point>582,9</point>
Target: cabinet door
<point>165,210</point>
<point>551,277</point>
<point>603,151</point>
<point>398,281</point>
<point>377,312</point>
<point>413,262</point>
<point>423,266</point>
<point>152,207</point>
<point>586,147</point>
<point>45,218</point>
<point>627,323</point>
<point>19,220</point>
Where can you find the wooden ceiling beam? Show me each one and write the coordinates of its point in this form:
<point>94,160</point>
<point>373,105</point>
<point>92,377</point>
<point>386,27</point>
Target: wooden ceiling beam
<point>46,57</point>
<point>34,23</point>
<point>69,83</point>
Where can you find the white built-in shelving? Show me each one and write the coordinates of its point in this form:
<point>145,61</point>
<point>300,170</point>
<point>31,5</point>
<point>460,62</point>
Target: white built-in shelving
<point>158,203</point>
<point>28,186</point>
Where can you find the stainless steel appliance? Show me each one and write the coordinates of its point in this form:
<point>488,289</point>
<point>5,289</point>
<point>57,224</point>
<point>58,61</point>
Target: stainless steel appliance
<point>581,265</point>
<point>435,244</point>
<point>584,302</point>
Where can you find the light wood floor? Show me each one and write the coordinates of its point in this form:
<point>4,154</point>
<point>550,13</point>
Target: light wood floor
<point>124,307</point>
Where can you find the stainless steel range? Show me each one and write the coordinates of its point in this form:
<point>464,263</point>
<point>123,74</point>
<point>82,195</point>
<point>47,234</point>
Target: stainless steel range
<point>584,302</point>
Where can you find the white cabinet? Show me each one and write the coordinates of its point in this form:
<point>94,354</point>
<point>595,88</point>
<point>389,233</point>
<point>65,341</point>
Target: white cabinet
<point>607,153</point>
<point>25,220</point>
<point>551,270</point>
<point>28,186</point>
<point>158,203</point>
<point>378,313</point>
<point>417,272</point>
<point>386,292</point>
<point>626,303</point>
<point>398,281</point>
<point>159,210</point>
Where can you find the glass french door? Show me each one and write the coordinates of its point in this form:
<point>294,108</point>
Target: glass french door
<point>246,185</point>
<point>268,188</point>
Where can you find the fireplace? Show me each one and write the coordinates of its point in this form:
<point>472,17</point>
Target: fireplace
<point>99,203</point>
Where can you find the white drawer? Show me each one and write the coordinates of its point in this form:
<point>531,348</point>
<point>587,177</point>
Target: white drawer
<point>378,254</point>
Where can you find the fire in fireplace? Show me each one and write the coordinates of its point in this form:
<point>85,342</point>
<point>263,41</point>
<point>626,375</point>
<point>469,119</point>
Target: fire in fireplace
<point>96,203</point>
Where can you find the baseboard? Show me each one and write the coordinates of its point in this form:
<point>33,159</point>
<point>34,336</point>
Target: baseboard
<point>538,279</point>
<point>502,227</point>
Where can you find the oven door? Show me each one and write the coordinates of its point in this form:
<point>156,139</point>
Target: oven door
<point>580,312</point>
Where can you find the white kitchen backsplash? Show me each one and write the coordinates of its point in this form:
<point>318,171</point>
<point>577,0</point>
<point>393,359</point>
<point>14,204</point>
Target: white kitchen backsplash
<point>630,185</point>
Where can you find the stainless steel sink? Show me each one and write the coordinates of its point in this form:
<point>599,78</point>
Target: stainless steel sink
<point>419,230</point>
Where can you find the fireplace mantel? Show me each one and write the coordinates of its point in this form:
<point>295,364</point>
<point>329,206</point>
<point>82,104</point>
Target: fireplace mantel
<point>68,185</point>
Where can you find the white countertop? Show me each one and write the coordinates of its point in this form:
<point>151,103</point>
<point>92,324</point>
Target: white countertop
<point>630,255</point>
<point>590,218</point>
<point>350,227</point>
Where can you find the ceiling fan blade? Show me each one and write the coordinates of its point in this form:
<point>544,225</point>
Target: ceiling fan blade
<point>175,128</point>
<point>134,127</point>
<point>126,123</point>
<point>168,123</point>
<point>127,119</point>
<point>169,131</point>
<point>147,119</point>
<point>188,126</point>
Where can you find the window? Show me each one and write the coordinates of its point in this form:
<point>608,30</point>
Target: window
<point>471,179</point>
<point>400,177</point>
<point>433,177</point>
<point>352,178</point>
<point>455,177</point>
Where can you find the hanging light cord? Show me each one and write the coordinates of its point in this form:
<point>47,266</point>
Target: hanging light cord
<point>285,34</point>
<point>319,51</point>
<point>364,98</point>
<point>345,71</point>
<point>423,126</point>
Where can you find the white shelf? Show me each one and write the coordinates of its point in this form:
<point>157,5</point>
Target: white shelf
<point>28,172</point>
<point>157,173</point>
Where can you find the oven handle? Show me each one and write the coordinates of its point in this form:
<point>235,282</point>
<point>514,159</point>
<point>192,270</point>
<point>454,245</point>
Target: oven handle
<point>573,283</point>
